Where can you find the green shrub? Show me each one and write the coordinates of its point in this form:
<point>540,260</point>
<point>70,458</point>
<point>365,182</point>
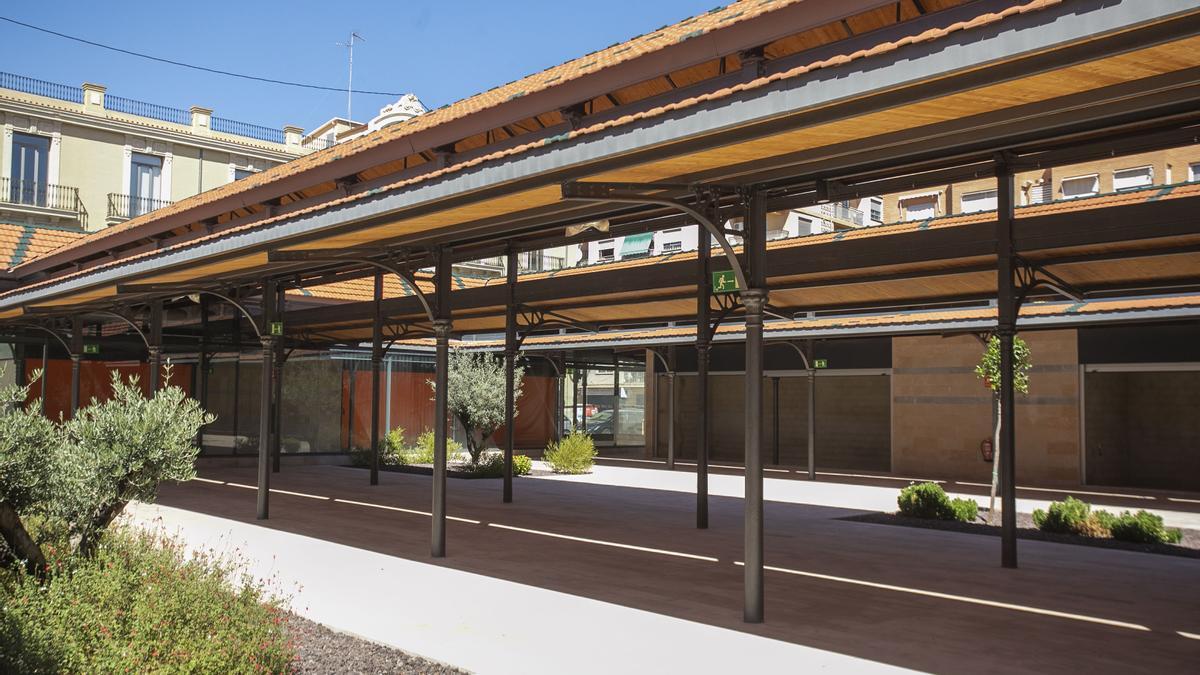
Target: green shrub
<point>491,465</point>
<point>1072,516</point>
<point>522,465</point>
<point>422,453</point>
<point>1143,527</point>
<point>966,510</point>
<point>929,500</point>
<point>574,454</point>
<point>142,605</point>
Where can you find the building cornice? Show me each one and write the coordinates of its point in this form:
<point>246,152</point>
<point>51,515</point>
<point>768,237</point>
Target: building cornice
<point>124,125</point>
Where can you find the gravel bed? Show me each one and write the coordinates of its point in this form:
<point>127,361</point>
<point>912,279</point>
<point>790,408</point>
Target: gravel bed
<point>1189,547</point>
<point>322,650</point>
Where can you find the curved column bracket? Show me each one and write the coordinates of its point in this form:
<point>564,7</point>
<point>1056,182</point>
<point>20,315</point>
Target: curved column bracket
<point>45,330</point>
<point>530,319</point>
<point>403,330</point>
<point>126,320</point>
<point>1030,277</point>
<point>165,290</point>
<point>788,343</point>
<point>390,265</point>
<point>727,304</point>
<point>630,193</point>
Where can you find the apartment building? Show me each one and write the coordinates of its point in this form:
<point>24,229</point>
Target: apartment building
<point>829,217</point>
<point>1075,181</point>
<point>78,158</point>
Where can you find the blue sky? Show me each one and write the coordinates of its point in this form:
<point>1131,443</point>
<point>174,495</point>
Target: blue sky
<point>441,51</point>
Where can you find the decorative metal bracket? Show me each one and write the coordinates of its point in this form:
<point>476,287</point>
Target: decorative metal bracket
<point>390,264</point>
<point>1030,276</point>
<point>530,319</point>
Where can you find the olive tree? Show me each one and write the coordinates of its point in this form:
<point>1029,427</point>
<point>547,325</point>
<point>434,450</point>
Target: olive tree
<point>475,395</point>
<point>29,444</point>
<point>82,473</point>
<point>989,371</point>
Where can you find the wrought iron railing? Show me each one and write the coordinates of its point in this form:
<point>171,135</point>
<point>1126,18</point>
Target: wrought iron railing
<point>29,85</point>
<point>228,126</point>
<point>43,195</point>
<point>127,206</point>
<point>154,111</point>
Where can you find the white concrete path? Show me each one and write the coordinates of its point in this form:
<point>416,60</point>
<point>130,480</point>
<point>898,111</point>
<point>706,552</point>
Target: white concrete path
<point>839,495</point>
<point>490,625</point>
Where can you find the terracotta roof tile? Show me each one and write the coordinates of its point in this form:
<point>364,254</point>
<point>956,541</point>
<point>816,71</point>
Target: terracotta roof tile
<point>485,100</point>
<point>363,290</point>
<point>21,243</point>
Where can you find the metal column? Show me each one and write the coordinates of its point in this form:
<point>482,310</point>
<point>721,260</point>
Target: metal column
<point>237,376</point>
<point>156,312</point>
<point>671,420</point>
<point>812,411</point>
<point>264,414</point>
<point>703,319</point>
<point>754,300</point>
<point>616,392</point>
<point>1006,330</point>
<point>775,421</point>
<point>441,329</point>
<point>203,364</point>
<point>277,392</point>
<point>45,373</point>
<point>76,355</point>
<point>510,364</point>
<point>376,361</point>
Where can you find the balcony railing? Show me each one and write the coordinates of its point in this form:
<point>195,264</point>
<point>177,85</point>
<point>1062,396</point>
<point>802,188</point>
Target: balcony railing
<point>124,207</point>
<point>842,212</point>
<point>129,106</point>
<point>318,143</point>
<point>29,85</point>
<point>40,195</point>
<point>228,126</point>
<point>154,111</point>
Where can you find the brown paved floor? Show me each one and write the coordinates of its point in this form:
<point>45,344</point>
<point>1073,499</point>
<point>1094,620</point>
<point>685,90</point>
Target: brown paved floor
<point>1160,593</point>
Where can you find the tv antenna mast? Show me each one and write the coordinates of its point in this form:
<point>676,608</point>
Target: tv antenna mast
<point>350,83</point>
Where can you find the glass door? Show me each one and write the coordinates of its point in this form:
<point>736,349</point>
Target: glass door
<point>29,159</point>
<point>145,183</point>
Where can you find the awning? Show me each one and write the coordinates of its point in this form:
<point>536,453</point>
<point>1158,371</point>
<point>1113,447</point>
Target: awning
<point>636,245</point>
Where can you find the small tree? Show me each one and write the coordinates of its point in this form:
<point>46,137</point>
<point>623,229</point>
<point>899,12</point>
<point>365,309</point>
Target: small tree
<point>989,371</point>
<point>475,396</point>
<point>82,473</point>
<point>122,449</point>
<point>28,445</point>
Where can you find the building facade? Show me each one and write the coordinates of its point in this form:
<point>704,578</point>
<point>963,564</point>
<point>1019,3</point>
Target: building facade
<point>78,158</point>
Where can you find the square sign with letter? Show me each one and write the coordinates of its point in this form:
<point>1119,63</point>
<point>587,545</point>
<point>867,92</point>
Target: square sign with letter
<point>276,328</point>
<point>91,348</point>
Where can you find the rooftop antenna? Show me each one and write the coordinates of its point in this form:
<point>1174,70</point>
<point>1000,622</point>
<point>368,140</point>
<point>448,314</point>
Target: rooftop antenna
<point>350,83</point>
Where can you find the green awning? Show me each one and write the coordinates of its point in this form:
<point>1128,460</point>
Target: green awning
<point>636,245</point>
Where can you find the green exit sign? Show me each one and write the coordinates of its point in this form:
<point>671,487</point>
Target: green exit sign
<point>820,363</point>
<point>91,348</point>
<point>276,328</point>
<point>724,281</point>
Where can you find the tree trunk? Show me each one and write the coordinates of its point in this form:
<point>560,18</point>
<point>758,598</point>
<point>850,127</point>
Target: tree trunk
<point>91,538</point>
<point>19,541</point>
<point>995,461</point>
